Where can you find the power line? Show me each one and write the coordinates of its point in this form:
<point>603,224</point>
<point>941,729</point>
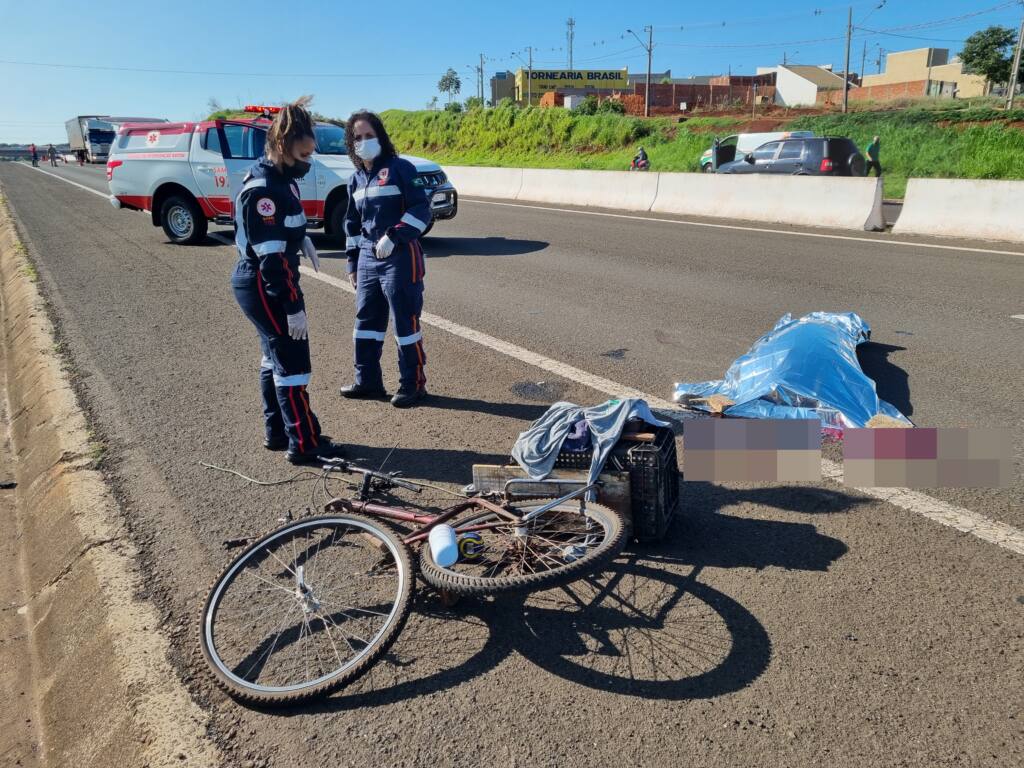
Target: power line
<point>218,74</point>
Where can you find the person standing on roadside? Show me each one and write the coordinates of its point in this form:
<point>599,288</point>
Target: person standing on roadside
<point>387,213</point>
<point>35,155</point>
<point>873,162</point>
<point>270,234</point>
<point>51,153</point>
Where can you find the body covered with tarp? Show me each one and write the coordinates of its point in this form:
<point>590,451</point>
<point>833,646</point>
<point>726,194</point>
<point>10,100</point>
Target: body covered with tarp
<point>800,369</point>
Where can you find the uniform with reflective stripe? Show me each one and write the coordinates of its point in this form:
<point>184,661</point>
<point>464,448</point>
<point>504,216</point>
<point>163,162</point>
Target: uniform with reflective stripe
<point>386,201</point>
<point>270,229</point>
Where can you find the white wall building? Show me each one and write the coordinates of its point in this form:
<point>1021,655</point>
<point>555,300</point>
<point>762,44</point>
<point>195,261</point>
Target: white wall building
<point>798,85</point>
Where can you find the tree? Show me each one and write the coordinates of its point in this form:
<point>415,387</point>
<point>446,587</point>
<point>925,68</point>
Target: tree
<point>432,104</point>
<point>990,53</point>
<point>474,102</point>
<point>453,106</point>
<point>213,105</point>
<point>450,84</point>
<point>612,106</point>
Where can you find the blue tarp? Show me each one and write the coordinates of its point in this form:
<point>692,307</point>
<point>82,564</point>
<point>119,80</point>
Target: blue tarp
<point>801,369</point>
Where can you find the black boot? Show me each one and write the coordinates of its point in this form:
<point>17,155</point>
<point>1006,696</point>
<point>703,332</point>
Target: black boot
<point>325,451</point>
<point>278,443</point>
<point>360,392</point>
<point>407,398</point>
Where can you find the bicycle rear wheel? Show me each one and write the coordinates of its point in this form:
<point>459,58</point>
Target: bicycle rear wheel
<point>499,554</point>
<point>306,609</point>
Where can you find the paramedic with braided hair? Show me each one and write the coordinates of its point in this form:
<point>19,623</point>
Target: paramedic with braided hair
<point>270,234</point>
<point>387,213</point>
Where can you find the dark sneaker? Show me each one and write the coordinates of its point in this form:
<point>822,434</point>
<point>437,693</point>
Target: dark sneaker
<point>276,443</point>
<point>325,451</point>
<point>359,392</point>
<point>407,398</point>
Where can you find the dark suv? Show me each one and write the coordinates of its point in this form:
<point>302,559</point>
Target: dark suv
<point>816,156</point>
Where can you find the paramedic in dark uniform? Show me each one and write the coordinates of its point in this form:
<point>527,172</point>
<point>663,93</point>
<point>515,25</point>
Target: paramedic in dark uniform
<point>387,213</point>
<point>270,234</point>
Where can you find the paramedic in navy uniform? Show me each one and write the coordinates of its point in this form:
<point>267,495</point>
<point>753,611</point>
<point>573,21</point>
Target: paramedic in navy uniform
<point>270,234</point>
<point>386,215</point>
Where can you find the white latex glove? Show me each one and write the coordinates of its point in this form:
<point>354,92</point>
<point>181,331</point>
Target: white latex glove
<point>309,251</point>
<point>384,247</point>
<point>298,328</point>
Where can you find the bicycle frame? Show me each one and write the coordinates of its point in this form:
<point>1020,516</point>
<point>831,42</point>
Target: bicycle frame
<point>426,522</point>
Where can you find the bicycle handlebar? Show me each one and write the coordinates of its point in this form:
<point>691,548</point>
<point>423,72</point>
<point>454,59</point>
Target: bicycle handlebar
<point>342,465</point>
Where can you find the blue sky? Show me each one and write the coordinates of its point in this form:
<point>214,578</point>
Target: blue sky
<point>391,54</point>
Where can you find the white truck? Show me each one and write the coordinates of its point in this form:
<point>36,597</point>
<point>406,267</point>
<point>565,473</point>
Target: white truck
<point>91,134</point>
<point>185,175</point>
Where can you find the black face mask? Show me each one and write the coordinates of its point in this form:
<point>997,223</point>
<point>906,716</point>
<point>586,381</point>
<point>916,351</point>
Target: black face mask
<point>297,169</point>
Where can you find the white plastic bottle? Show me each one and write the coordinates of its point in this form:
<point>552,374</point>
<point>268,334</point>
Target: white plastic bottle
<point>444,546</point>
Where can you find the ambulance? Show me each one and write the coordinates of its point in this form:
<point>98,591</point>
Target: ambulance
<point>185,175</point>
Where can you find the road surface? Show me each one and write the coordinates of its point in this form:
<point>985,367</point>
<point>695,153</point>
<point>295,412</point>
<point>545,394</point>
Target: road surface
<point>777,625</point>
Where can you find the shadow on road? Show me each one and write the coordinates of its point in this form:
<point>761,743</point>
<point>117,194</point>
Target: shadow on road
<point>440,465</point>
<point>441,247</point>
<point>521,411</point>
<point>645,626</point>
<point>891,381</point>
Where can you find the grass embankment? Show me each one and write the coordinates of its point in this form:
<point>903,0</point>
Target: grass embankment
<point>943,141</point>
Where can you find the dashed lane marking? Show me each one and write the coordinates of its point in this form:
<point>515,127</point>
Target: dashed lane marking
<point>958,518</point>
<point>871,240</point>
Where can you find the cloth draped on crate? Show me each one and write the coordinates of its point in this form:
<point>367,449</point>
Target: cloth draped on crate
<point>536,450</point>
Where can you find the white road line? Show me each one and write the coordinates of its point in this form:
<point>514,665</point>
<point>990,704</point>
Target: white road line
<point>1017,317</point>
<point>104,195</point>
<point>958,518</point>
<point>873,241</point>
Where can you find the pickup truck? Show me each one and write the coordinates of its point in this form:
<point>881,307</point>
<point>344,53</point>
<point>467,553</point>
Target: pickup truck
<point>184,174</point>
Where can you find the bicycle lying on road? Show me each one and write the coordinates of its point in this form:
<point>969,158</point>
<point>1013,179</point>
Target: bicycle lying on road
<point>311,606</point>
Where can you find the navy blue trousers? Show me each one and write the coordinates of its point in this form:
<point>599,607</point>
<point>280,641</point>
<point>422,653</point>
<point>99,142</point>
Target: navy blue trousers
<point>284,366</point>
<point>393,286</point>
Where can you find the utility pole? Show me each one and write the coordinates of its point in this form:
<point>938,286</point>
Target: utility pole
<point>846,69</point>
<point>1016,66</point>
<point>649,47</point>
<point>570,36</point>
<point>863,62</point>
<point>482,100</point>
<point>529,79</point>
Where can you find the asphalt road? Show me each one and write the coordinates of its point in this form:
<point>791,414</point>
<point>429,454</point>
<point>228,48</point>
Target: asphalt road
<point>778,625</point>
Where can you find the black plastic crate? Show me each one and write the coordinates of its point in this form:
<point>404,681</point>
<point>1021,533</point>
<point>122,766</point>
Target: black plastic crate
<point>653,469</point>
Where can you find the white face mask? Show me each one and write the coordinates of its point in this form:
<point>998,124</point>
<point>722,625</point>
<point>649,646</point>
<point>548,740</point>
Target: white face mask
<point>368,149</point>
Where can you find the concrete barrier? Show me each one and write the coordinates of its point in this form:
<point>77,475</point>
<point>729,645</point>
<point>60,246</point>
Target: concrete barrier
<point>972,208</point>
<point>502,183</point>
<point>103,692</point>
<point>620,190</point>
<point>814,201</point>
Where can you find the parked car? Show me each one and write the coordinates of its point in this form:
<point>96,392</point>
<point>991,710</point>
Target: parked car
<point>814,156</point>
<point>739,144</point>
<point>186,174</point>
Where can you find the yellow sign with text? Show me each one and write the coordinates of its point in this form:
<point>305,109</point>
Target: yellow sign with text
<point>542,80</point>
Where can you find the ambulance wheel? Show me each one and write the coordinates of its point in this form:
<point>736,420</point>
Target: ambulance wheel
<point>182,220</point>
<point>708,168</point>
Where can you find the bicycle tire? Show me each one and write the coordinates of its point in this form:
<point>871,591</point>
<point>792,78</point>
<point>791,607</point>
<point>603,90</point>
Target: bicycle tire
<point>612,542</point>
<point>247,692</point>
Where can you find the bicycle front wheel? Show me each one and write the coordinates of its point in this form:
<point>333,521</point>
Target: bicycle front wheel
<point>501,553</point>
<point>306,609</point>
